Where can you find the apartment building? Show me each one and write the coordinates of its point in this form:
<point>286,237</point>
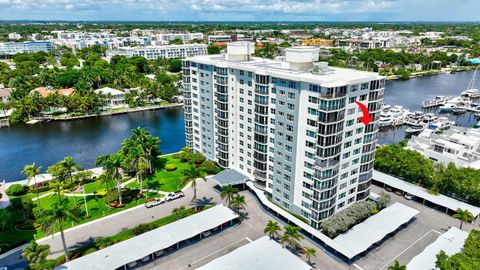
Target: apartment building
<point>166,51</point>
<point>167,37</point>
<point>229,38</point>
<point>291,126</point>
<point>12,48</point>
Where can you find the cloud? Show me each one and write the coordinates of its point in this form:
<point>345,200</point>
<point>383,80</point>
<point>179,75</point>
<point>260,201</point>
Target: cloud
<point>272,10</point>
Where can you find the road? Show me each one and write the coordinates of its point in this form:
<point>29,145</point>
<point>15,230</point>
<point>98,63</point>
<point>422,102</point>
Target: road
<point>113,224</point>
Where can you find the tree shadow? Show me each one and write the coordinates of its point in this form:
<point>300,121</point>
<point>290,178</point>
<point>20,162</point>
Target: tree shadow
<point>159,163</point>
<point>204,202</point>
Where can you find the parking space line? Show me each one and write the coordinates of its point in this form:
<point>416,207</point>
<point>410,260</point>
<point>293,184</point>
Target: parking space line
<point>248,239</point>
<point>414,243</point>
<point>358,267</point>
<point>234,243</point>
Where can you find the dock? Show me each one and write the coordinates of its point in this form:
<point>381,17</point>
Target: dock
<point>4,123</point>
<point>106,113</point>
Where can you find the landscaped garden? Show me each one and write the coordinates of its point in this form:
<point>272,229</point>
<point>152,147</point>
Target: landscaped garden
<point>136,164</point>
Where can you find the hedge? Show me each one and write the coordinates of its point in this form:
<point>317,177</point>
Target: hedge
<point>17,190</point>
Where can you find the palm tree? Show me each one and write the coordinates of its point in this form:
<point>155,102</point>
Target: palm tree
<point>397,266</point>
<point>227,193</point>
<point>463,216</point>
<point>31,171</point>
<point>36,255</point>
<point>309,253</point>
<point>179,212</point>
<point>142,168</point>
<point>192,174</point>
<point>55,217</point>
<point>113,163</point>
<point>238,202</point>
<point>70,166</point>
<point>272,229</point>
<point>106,178</point>
<point>291,235</point>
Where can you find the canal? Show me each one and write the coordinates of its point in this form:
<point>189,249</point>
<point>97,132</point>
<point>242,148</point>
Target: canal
<point>84,140</point>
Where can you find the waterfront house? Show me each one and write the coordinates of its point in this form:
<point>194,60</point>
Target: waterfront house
<point>4,93</point>
<point>46,91</point>
<point>114,97</point>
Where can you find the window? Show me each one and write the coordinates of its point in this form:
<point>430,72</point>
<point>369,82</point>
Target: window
<point>311,134</point>
<point>291,95</point>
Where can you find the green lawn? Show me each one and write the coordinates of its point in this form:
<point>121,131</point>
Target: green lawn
<point>97,208</point>
<point>163,180</point>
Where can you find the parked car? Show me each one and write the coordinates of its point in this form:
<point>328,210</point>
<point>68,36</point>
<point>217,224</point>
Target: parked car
<point>174,195</point>
<point>206,234</point>
<point>389,189</point>
<point>408,196</point>
<point>155,202</point>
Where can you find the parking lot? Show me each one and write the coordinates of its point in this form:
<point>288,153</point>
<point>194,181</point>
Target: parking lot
<point>403,246</point>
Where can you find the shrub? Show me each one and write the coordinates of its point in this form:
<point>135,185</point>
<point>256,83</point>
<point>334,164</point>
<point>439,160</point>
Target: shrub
<point>90,250</point>
<point>17,190</point>
<point>100,192</point>
<point>209,167</point>
<point>383,201</point>
<point>143,228</point>
<point>343,221</point>
<point>170,167</point>
<point>103,242</point>
<point>176,156</point>
<point>40,189</point>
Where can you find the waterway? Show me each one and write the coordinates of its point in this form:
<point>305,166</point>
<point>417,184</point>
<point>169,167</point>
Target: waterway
<point>86,139</point>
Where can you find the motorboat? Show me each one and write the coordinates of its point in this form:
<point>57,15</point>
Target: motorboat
<point>459,110</point>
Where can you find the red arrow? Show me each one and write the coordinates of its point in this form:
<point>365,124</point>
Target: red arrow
<point>366,118</point>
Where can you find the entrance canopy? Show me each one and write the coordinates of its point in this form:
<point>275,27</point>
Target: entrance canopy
<point>230,177</point>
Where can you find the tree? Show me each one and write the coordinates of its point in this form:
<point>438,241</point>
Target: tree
<point>32,172</point>
<point>179,212</point>
<point>70,166</point>
<point>4,217</point>
<point>55,217</point>
<point>36,255</point>
<point>309,253</point>
<point>227,193</point>
<point>397,266</point>
<point>272,229</point>
<point>463,216</point>
<point>175,65</point>
<point>467,259</point>
<point>291,236</point>
<point>106,178</point>
<point>192,174</point>
<point>113,164</point>
<point>238,202</point>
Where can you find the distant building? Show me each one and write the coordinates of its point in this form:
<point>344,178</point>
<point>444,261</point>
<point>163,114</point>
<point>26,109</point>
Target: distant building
<point>360,43</point>
<point>14,36</point>
<point>166,51</point>
<point>114,97</point>
<point>46,91</point>
<point>229,38</point>
<point>12,48</point>
<point>318,42</point>
<point>459,145</point>
<point>166,38</point>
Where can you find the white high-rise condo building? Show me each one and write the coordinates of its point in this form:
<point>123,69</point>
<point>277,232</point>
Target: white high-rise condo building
<point>166,51</point>
<point>291,126</point>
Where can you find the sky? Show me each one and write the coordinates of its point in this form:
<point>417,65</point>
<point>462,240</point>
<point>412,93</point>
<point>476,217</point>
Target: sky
<point>241,10</point>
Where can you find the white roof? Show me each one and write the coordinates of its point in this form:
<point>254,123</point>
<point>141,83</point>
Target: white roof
<point>108,90</point>
<point>145,244</point>
<point>340,247</point>
<point>450,242</point>
<point>260,254</point>
<point>421,192</point>
<point>334,77</point>
<point>375,228</point>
